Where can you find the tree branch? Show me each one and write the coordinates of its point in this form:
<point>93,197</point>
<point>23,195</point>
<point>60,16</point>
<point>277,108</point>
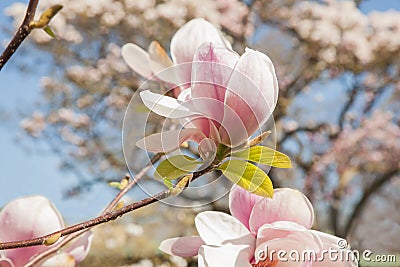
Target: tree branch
<point>108,216</point>
<point>109,208</point>
<point>376,185</point>
<point>23,31</point>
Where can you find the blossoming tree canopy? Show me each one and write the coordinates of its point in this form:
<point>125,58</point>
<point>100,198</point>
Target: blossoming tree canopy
<point>35,216</point>
<point>258,224</point>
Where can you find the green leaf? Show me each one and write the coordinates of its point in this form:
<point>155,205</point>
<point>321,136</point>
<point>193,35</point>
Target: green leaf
<point>248,176</point>
<point>50,32</point>
<point>176,166</point>
<point>264,155</point>
<point>168,183</point>
<point>114,184</point>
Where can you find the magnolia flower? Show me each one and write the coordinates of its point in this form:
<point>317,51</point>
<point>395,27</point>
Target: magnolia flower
<point>230,97</point>
<point>257,227</point>
<point>183,46</point>
<point>31,217</point>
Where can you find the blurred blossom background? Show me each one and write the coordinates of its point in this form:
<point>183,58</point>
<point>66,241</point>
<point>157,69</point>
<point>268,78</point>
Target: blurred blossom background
<point>338,65</point>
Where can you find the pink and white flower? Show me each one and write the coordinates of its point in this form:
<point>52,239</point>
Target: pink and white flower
<point>183,47</point>
<point>229,98</point>
<point>257,227</point>
<point>31,217</point>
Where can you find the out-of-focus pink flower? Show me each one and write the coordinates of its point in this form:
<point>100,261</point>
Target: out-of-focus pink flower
<point>230,97</point>
<point>183,47</point>
<point>257,227</point>
<point>31,217</point>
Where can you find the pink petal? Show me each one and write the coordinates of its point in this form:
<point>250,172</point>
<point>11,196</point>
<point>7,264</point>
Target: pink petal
<point>331,242</point>
<point>6,263</point>
<point>286,205</point>
<point>169,140</point>
<point>269,250</point>
<point>252,90</point>
<point>188,38</point>
<point>212,111</point>
<point>292,231</point>
<point>26,218</point>
<point>227,256</point>
<point>80,247</point>
<point>216,228</point>
<point>137,59</point>
<point>212,67</point>
<point>241,203</point>
<point>182,246</point>
<point>61,259</point>
<point>234,130</point>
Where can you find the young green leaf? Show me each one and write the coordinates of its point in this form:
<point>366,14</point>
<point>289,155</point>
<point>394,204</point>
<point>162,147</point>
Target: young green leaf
<point>114,184</point>
<point>168,183</point>
<point>50,32</point>
<point>264,155</point>
<point>248,176</point>
<point>176,166</point>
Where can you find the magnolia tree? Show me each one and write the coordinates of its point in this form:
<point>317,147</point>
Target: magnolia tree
<point>201,111</point>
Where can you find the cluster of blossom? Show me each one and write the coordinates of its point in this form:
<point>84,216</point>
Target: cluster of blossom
<point>339,34</point>
<point>136,14</point>
<point>373,147</point>
<point>34,125</point>
<point>257,227</point>
<point>69,116</point>
<point>101,71</point>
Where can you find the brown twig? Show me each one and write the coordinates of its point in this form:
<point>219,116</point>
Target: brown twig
<point>373,188</point>
<point>85,225</point>
<point>40,257</point>
<point>23,31</point>
<point>108,216</point>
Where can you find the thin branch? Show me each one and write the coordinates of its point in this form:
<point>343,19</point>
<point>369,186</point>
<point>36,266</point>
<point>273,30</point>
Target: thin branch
<point>313,129</point>
<point>376,185</point>
<point>82,226</point>
<point>23,31</point>
<point>109,208</point>
<point>108,216</point>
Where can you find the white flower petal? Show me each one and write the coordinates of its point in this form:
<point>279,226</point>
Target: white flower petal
<point>190,36</point>
<point>182,246</point>
<point>61,259</point>
<point>216,228</point>
<point>80,247</point>
<point>137,59</point>
<point>331,242</point>
<point>164,105</point>
<point>169,140</point>
<point>227,256</point>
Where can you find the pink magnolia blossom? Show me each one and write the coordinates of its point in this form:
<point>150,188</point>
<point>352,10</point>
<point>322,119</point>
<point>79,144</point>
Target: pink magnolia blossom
<point>183,47</point>
<point>257,227</point>
<point>31,217</point>
<point>230,97</point>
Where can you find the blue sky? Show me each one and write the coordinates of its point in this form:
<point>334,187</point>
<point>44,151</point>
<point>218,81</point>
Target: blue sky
<point>26,171</point>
